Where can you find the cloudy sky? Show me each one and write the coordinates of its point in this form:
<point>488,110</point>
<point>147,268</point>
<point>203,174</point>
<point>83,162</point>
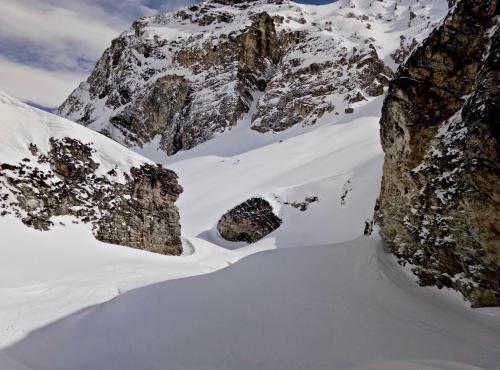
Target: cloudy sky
<point>48,46</point>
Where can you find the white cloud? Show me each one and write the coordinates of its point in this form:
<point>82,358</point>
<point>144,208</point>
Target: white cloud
<point>53,44</point>
<point>58,37</point>
<point>46,88</point>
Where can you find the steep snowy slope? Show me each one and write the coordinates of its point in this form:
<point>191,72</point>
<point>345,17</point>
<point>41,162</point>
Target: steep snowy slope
<point>23,125</point>
<point>174,81</point>
<point>338,163</point>
<point>45,275</point>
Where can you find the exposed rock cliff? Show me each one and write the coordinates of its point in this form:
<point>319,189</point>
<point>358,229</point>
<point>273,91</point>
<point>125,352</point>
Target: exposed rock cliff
<point>52,167</point>
<point>439,206</point>
<point>248,222</point>
<point>178,79</point>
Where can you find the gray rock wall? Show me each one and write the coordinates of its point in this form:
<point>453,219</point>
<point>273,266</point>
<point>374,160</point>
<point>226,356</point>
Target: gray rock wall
<point>188,88</point>
<point>439,207</point>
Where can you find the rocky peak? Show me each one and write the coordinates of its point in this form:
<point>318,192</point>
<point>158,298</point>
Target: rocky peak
<point>439,203</point>
<point>231,2</point>
<point>176,80</point>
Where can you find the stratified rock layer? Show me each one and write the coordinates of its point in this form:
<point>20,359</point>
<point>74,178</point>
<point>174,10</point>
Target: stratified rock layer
<point>248,222</point>
<point>439,206</point>
<point>138,213</point>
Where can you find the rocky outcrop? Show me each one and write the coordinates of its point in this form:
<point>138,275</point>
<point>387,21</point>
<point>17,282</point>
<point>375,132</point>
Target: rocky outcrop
<point>302,206</point>
<point>439,207</point>
<point>182,111</point>
<point>178,79</point>
<point>138,212</point>
<point>298,95</point>
<point>232,2</point>
<point>248,222</point>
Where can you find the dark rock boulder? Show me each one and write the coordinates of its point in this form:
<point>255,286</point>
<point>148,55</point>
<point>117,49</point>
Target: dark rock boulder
<point>439,207</point>
<point>248,222</point>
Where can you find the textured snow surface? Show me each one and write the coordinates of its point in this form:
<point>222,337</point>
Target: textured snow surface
<point>329,307</point>
<point>57,272</point>
<point>22,125</point>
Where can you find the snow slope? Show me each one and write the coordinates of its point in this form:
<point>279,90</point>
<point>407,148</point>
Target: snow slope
<point>316,307</point>
<point>21,125</point>
<point>66,269</point>
<point>322,161</point>
<point>344,306</point>
<point>46,275</point>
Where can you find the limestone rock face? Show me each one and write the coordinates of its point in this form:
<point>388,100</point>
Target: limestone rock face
<point>146,216</point>
<point>297,95</point>
<point>139,213</point>
<point>439,206</point>
<point>248,222</point>
<point>178,79</point>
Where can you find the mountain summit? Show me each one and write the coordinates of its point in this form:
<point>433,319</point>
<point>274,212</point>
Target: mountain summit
<point>175,80</point>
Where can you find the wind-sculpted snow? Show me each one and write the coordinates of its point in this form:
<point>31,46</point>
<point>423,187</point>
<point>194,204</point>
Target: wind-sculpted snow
<point>47,275</point>
<point>346,306</point>
<point>177,80</point>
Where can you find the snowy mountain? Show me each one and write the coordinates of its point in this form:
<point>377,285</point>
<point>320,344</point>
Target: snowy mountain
<point>269,114</point>
<point>174,81</point>
<point>52,167</point>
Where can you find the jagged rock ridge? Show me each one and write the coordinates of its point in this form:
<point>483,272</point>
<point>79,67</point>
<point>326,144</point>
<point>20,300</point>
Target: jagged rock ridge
<point>50,167</point>
<point>178,79</point>
<point>439,206</point>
